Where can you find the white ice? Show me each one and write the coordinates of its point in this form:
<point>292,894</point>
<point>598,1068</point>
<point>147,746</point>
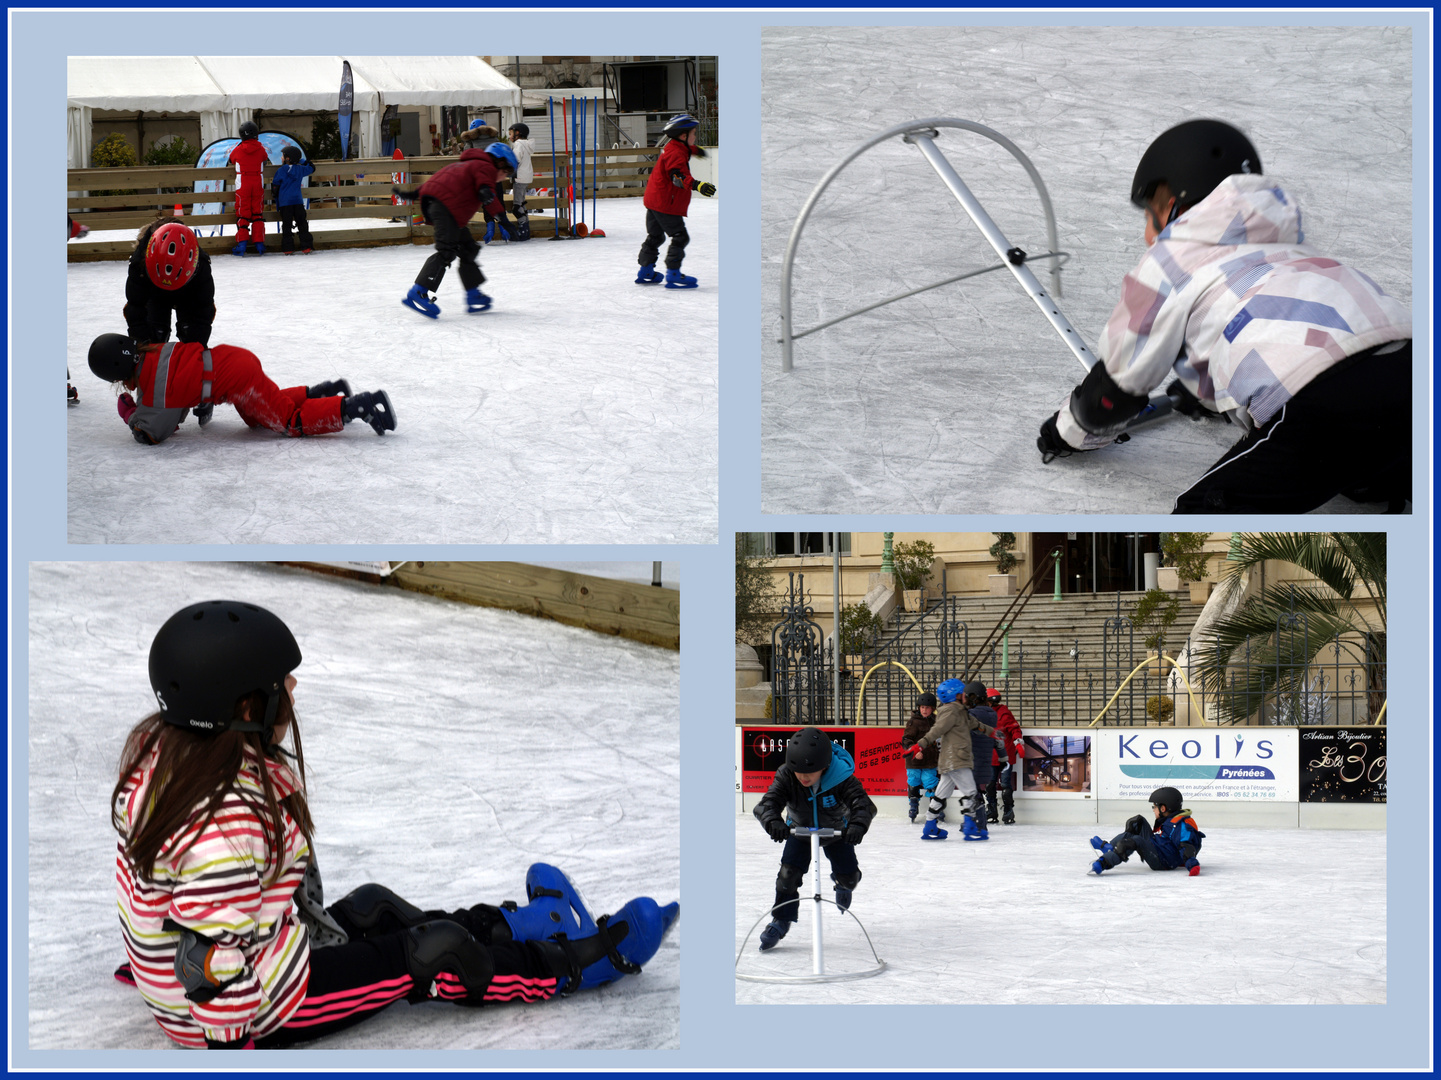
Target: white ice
<point>1276,916</point>
<point>448,747</point>
<point>580,409</point>
<point>933,403</point>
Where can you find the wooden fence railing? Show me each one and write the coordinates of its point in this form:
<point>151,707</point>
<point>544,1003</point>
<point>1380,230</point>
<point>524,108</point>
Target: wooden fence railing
<point>359,189</point>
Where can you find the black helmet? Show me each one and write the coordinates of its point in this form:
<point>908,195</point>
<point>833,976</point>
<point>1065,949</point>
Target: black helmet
<point>926,699</point>
<point>1191,159</point>
<point>210,655</point>
<point>114,357</point>
<point>522,129</point>
<point>976,690</point>
<point>1168,797</point>
<point>808,751</point>
<point>290,155</point>
<point>248,130</point>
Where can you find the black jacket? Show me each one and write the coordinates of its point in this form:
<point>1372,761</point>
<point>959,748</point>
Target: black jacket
<point>842,799</point>
<point>148,307</point>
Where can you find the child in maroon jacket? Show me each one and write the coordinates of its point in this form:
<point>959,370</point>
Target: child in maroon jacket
<point>667,198</point>
<point>251,158</point>
<point>448,200</point>
<point>171,379</point>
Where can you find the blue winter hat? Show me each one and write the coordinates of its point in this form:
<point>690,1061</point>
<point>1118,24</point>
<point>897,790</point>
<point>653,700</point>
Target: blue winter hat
<point>949,690</point>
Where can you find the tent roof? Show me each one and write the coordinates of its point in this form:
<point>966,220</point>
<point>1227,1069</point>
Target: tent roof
<point>171,83</point>
<point>286,82</point>
<point>212,83</point>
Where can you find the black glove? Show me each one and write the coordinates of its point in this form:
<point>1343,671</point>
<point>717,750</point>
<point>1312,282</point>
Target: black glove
<point>1183,401</point>
<point>708,190</point>
<point>779,831</point>
<point>202,413</point>
<point>1050,443</point>
<point>854,833</point>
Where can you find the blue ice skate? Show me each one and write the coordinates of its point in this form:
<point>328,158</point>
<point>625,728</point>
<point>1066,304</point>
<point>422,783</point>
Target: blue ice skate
<point>970,831</point>
<point>648,923</point>
<point>1097,867</point>
<point>1100,845</point>
<point>260,249</point>
<point>238,249</point>
<point>932,831</point>
<point>674,279</point>
<point>554,907</point>
<point>772,934</point>
<point>647,275</point>
<point>476,301</point>
<point>419,300</point>
<point>843,897</point>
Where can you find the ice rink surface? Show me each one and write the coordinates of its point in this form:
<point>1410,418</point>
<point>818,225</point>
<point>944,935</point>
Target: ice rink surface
<point>447,747</point>
<point>932,404</point>
<point>581,409</point>
<point>1276,916</point>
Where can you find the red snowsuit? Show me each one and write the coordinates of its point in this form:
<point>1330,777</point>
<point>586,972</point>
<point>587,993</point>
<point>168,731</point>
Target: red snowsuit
<point>1010,736</point>
<point>661,193</point>
<point>250,195</point>
<point>236,379</point>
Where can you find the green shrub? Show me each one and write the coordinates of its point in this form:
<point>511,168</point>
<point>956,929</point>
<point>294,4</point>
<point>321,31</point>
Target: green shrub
<point>1160,708</point>
<point>174,150</point>
<point>112,152</point>
<point>859,624</point>
<point>1155,613</point>
<point>912,562</point>
<point>1006,560</point>
<point>1183,550</point>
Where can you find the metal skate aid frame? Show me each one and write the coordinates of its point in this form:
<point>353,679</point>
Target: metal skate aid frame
<point>922,134</point>
<point>818,963</point>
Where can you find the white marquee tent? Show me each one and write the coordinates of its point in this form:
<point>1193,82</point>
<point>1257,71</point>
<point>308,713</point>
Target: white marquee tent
<point>226,90</point>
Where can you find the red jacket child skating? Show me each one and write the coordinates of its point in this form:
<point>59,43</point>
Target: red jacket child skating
<point>251,158</point>
<point>171,379</point>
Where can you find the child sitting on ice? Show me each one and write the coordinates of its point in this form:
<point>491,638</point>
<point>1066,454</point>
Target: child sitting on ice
<point>1171,842</point>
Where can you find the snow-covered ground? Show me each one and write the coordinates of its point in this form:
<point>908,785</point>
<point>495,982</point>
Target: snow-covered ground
<point>1017,920</point>
<point>448,747</point>
<point>580,409</point>
<point>932,404</point>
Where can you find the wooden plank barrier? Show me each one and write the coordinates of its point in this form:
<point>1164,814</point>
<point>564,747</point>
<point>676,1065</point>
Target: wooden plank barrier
<point>357,189</point>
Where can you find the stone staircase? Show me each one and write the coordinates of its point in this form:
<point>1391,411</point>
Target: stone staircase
<point>1057,665</point>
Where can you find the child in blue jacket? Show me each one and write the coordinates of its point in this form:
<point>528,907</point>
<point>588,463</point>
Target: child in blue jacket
<point>1170,843</point>
<point>290,202</point>
<point>815,788</point>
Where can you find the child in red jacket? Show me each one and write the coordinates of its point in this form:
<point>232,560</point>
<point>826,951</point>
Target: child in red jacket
<point>1003,777</point>
<point>667,198</point>
<point>251,158</point>
<point>171,379</point>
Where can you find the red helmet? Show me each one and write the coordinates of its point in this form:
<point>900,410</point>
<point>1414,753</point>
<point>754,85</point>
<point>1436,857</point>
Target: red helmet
<point>172,255</point>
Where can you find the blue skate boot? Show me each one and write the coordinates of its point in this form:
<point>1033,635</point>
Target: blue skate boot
<point>772,934</point>
<point>259,249</point>
<point>970,831</point>
<point>647,924</point>
<point>555,907</point>
<point>419,300</point>
<point>674,279</point>
<point>648,276</point>
<point>1100,845</point>
<point>1098,866</point>
<point>238,249</point>
<point>932,831</point>
<point>476,301</point>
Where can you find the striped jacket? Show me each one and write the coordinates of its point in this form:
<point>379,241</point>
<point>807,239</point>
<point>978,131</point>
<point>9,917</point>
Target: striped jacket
<point>220,886</point>
<point>1230,301</point>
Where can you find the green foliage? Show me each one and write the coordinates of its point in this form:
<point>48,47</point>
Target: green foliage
<point>859,626</point>
<point>174,150</point>
<point>1154,614</point>
<point>1184,551</point>
<point>324,141</point>
<point>912,562</point>
<point>1345,567</point>
<point>112,152</point>
<point>1160,709</point>
<point>756,595</point>
<point>1006,560</point>
<point>770,707</point>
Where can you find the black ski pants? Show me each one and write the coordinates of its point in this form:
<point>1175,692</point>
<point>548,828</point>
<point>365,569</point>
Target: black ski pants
<point>1004,789</point>
<point>1348,431</point>
<point>452,240</point>
<point>796,857</point>
<point>293,217</point>
<point>1138,839</point>
<point>657,227</point>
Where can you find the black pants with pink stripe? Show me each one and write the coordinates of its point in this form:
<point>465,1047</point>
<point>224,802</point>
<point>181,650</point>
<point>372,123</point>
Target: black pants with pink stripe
<point>353,982</point>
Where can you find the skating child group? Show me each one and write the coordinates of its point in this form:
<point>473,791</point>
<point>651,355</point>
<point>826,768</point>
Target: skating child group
<point>960,740</point>
<point>161,382</point>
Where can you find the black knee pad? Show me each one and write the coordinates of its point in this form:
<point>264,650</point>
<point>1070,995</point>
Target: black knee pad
<point>790,877</point>
<point>847,881</point>
<point>374,908</point>
<point>936,805</point>
<point>914,792</point>
<point>444,947</point>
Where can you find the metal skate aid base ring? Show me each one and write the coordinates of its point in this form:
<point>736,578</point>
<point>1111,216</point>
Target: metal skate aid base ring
<point>922,134</point>
<point>818,965</point>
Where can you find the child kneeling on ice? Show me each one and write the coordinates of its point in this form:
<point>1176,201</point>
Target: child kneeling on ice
<point>667,198</point>
<point>222,909</point>
<point>1170,843</point>
<point>816,787</point>
<point>171,379</point>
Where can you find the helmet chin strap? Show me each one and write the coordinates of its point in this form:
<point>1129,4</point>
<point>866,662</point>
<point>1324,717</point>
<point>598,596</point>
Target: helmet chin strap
<point>272,706</point>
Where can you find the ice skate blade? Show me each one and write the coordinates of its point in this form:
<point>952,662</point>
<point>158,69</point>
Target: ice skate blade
<point>416,307</point>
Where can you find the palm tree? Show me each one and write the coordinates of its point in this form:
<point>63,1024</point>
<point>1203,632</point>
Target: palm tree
<point>1260,654</point>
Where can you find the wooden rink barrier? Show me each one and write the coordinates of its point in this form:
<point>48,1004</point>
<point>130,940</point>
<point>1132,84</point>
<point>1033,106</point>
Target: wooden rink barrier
<point>359,189</point>
<point>646,613</point>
